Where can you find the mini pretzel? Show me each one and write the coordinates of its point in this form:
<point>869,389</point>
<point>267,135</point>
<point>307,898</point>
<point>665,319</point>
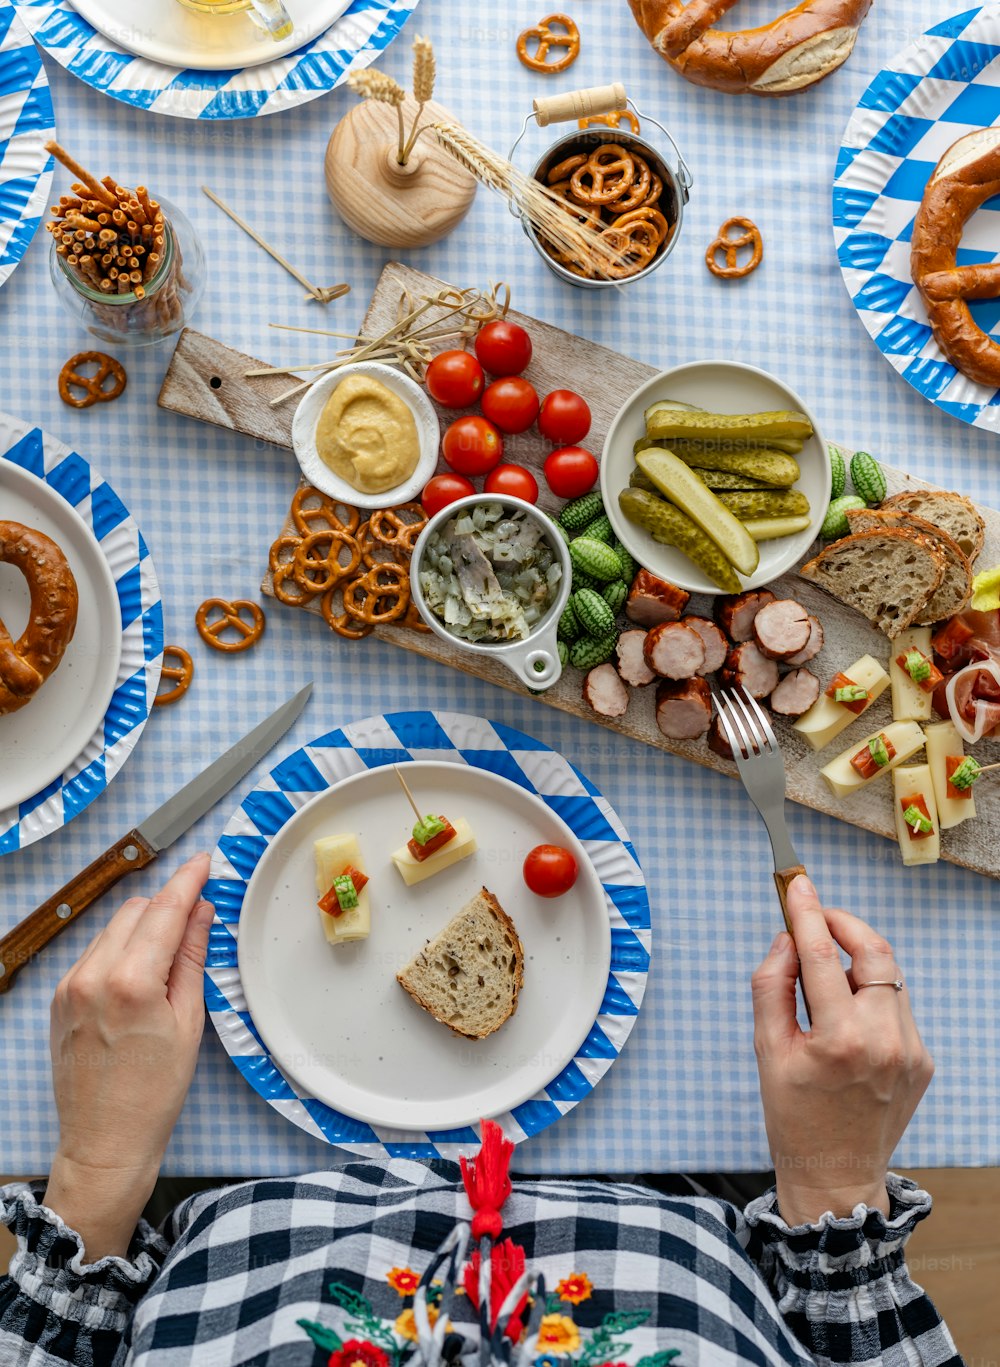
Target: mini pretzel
<point>652,200</point>
<point>289,590</point>
<point>638,244</point>
<point>182,672</point>
<point>340,622</point>
<point>748,235</point>
<point>579,212</point>
<point>638,192</point>
<point>381,595</point>
<point>92,385</point>
<point>538,60</point>
<point>317,565</point>
<point>282,551</point>
<point>387,526</point>
<point>376,552</point>
<point>322,511</point>
<point>605,175</point>
<point>644,214</point>
<point>249,633</point>
<point>613,119</point>
<point>564,169</point>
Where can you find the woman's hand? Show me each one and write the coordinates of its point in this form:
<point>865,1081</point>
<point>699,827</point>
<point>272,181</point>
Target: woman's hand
<point>126,1025</point>
<point>838,1097</point>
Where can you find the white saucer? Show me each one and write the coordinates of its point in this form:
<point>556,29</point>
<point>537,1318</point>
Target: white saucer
<point>170,33</point>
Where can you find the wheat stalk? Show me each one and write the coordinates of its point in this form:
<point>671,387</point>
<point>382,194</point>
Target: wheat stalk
<point>424,70</point>
<point>550,216</point>
<point>379,85</point>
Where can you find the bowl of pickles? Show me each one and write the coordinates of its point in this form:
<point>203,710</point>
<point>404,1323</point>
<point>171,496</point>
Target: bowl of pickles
<point>715,476</point>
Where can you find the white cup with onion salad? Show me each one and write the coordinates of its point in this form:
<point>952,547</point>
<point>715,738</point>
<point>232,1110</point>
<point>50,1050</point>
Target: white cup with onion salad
<point>458,598</point>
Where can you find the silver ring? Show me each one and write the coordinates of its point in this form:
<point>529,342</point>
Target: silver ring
<point>897,983</point>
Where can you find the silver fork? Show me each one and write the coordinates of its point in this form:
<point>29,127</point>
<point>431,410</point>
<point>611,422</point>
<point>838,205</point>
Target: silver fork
<point>762,769</point>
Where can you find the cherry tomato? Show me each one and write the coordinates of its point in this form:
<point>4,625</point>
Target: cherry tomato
<point>550,870</point>
<point>564,417</point>
<point>444,489</point>
<point>455,379</point>
<point>514,480</point>
<point>570,471</point>
<point>472,446</point>
<point>503,348</point>
<point>511,403</point>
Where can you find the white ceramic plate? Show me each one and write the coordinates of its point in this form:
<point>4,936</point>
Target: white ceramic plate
<point>336,1020</point>
<point>43,738</point>
<point>720,387</point>
<point>319,474</point>
<point>166,31</point>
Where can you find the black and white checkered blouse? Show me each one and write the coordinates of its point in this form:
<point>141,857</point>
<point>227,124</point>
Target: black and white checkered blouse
<point>322,1271</point>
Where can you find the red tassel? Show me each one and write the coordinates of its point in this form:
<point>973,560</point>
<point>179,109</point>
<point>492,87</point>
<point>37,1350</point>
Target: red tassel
<point>487,1183</point>
<point>507,1264</point>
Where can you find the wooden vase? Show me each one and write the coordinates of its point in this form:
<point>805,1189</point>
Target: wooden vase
<point>388,204</point>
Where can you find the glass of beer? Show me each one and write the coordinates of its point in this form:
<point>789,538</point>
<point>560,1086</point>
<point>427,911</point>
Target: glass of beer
<point>271,15</point>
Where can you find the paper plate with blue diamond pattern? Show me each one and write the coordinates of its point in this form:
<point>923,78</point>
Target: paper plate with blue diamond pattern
<point>63,748</point>
<point>356,39</point>
<point>26,124</point>
<point>944,85</point>
<point>325,1033</point>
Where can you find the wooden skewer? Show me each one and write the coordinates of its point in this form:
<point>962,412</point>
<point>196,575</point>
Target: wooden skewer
<point>987,768</point>
<point>323,296</point>
<point>406,790</point>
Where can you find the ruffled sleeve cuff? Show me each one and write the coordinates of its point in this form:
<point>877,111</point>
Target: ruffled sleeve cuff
<point>838,1252</point>
<point>49,1268</point>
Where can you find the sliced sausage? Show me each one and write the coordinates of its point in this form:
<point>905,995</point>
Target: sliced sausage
<point>652,600</point>
<point>718,741</point>
<point>673,651</point>
<point>712,639</point>
<point>735,612</point>
<point>795,694</point>
<point>632,664</point>
<point>747,668</point>
<point>812,647</point>
<point>781,628</point>
<point>605,692</point>
<point>683,709</point>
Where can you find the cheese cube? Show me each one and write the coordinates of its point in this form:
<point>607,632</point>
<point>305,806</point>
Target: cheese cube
<point>910,702</point>
<point>908,782</point>
<point>333,854</point>
<point>459,847</point>
<point>825,720</point>
<point>906,739</point>
<point>943,740</point>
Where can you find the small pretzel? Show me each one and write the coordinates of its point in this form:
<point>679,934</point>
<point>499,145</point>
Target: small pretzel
<point>564,169</point>
<point>340,622</point>
<point>638,192</point>
<point>613,119</point>
<point>381,595</point>
<point>376,552</point>
<point>637,243</point>
<point>581,214</point>
<point>288,590</point>
<point>726,242</point>
<point>538,60</point>
<point>322,511</point>
<point>387,526</point>
<point>182,672</point>
<point>647,215</point>
<point>92,385</point>
<point>610,170</point>
<point>249,633</point>
<point>317,565</point>
<point>652,200</point>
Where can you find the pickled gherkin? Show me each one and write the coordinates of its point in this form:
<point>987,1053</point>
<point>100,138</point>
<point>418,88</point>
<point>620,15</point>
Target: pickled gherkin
<point>772,528</point>
<point>715,479</point>
<point>678,483</point>
<point>715,426</point>
<point>746,504</point>
<point>671,527</point>
<point>770,467</point>
<point>686,446</point>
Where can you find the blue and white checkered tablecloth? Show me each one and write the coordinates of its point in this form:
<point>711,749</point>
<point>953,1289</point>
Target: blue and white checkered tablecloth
<point>684,1093</point>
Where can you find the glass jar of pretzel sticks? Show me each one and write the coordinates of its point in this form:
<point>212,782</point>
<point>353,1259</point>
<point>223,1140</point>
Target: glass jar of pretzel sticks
<point>139,306</point>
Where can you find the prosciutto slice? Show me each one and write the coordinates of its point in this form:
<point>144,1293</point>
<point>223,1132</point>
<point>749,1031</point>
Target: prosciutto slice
<point>971,699</point>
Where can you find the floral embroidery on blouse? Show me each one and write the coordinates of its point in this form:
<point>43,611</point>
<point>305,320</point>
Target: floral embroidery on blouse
<point>404,1280</point>
<point>575,1288</point>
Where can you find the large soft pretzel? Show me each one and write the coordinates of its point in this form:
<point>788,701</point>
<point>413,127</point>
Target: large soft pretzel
<point>26,663</point>
<point>798,49</point>
<point>966,176</point>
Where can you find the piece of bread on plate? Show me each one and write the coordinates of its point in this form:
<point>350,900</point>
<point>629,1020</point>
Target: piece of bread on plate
<point>955,589</point>
<point>953,513</point>
<point>468,977</point>
<point>888,576</point>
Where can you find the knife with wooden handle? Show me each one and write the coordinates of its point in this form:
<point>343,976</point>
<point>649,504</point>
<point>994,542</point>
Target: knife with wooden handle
<point>142,845</point>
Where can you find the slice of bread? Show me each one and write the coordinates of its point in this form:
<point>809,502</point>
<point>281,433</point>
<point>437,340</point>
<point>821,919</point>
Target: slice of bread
<point>953,513</point>
<point>888,576</point>
<point>469,975</point>
<point>955,589</point>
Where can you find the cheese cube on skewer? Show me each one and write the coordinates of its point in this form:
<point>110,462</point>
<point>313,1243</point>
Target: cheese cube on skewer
<point>825,720</point>
<point>333,854</point>
<point>459,847</point>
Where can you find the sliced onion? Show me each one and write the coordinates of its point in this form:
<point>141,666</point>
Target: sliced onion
<point>974,733</point>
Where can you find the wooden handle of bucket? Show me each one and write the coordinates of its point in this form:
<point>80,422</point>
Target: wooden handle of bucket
<point>580,104</point>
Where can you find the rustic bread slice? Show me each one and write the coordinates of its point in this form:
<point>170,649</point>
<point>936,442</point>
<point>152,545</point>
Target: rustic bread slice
<point>888,576</point>
<point>953,513</point>
<point>469,975</point>
<point>955,589</point>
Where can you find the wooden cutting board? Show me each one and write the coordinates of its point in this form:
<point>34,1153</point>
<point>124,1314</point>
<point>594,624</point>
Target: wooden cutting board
<point>206,380</point>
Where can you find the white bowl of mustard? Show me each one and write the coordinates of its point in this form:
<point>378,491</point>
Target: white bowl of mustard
<point>367,435</point>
